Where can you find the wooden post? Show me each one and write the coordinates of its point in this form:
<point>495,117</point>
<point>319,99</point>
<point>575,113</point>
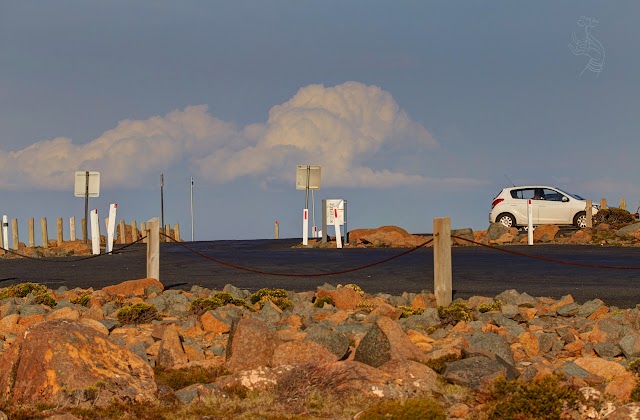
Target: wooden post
<point>603,203</point>
<point>176,230</point>
<point>14,230</point>
<point>623,204</point>
<point>134,231</point>
<point>60,236</point>
<point>442,285</point>
<point>589,213</point>
<point>123,232</point>
<point>277,230</point>
<point>143,231</point>
<point>83,223</point>
<point>32,235</point>
<point>72,228</point>
<point>45,233</point>
<point>167,232</point>
<point>153,249</point>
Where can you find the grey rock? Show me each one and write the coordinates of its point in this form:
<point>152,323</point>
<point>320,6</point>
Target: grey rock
<point>628,230</point>
<point>590,307</point>
<point>474,372</point>
<point>64,303</point>
<point>335,341</point>
<point>568,310</point>
<point>429,318</point>
<point>513,297</point>
<point>607,350</point>
<point>466,233</point>
<point>109,324</point>
<point>509,310</point>
<point>269,315</point>
<point>28,310</point>
<point>140,350</point>
<point>496,230</point>
<point>491,344</point>
<point>630,345</point>
<point>571,369</point>
<point>217,350</point>
<point>374,348</point>
<point>237,293</point>
<point>159,302</point>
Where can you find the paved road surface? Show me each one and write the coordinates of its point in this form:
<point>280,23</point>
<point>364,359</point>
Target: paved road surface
<point>476,270</point>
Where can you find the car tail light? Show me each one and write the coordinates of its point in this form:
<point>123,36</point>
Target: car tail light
<point>496,202</point>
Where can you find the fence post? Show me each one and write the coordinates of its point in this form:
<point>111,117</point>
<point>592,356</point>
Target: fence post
<point>72,228</point>
<point>60,236</point>
<point>134,231</point>
<point>83,223</point>
<point>603,203</point>
<point>589,213</point>
<point>167,232</point>
<point>45,232</point>
<point>277,227</point>
<point>153,249</point>
<point>123,232</point>
<point>32,236</point>
<point>14,229</point>
<point>623,204</point>
<point>176,229</point>
<point>143,230</point>
<point>442,261</point>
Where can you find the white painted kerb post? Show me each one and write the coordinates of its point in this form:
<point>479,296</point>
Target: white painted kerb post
<point>442,284</point>
<point>529,222</point>
<point>153,248</point>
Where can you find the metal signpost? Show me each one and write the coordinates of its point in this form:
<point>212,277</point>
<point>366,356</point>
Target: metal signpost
<point>87,184</point>
<point>334,213</point>
<point>307,178</point>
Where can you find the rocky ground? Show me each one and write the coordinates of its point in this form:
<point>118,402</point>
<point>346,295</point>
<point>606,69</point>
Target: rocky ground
<point>87,348</point>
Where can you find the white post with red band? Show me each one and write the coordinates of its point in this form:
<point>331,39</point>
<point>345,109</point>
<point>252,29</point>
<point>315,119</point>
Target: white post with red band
<point>111,226</point>
<point>336,224</point>
<point>95,232</point>
<point>530,222</point>
<point>305,227</point>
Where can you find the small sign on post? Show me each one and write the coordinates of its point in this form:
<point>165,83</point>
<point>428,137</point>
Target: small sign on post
<point>87,184</point>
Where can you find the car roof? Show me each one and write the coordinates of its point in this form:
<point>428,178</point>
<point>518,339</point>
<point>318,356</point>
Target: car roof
<point>530,186</point>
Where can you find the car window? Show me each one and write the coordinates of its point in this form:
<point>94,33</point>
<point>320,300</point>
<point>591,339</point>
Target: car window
<point>523,194</point>
<point>552,195</point>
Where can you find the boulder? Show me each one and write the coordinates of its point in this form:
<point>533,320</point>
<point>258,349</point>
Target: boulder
<point>142,287</point>
<point>251,345</point>
<point>171,351</point>
<point>71,358</point>
<point>386,341</point>
<point>545,233</point>
<point>629,231</point>
<point>385,236</point>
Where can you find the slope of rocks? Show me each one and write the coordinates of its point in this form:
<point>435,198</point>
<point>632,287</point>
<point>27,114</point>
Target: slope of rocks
<point>362,342</point>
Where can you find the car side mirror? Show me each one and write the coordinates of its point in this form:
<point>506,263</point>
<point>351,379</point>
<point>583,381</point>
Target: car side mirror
<point>565,199</point>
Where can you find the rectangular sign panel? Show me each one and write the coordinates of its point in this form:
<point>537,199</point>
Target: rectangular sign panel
<point>81,184</point>
<point>335,208</point>
<point>312,172</point>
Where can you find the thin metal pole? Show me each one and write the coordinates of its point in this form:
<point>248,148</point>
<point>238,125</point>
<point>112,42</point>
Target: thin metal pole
<point>162,199</point>
<point>191,209</point>
<point>86,208</point>
<point>306,198</point>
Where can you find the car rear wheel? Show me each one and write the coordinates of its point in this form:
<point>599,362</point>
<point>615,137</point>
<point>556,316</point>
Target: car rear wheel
<point>580,220</point>
<point>506,220</point>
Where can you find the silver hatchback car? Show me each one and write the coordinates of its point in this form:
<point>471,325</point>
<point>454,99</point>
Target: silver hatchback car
<point>550,206</point>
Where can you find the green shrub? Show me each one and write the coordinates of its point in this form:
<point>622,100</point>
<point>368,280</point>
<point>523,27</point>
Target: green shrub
<point>635,393</point>
<point>22,290</point>
<point>417,409</point>
<point>408,311</point>
<point>82,299</point>
<point>140,313</point>
<point>279,297</point>
<point>45,299</point>
<point>319,303</point>
<point>201,305</point>
<point>488,307</point>
<point>613,216</point>
<point>455,313</point>
<point>542,399</point>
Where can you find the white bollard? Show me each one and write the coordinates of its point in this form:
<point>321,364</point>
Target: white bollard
<point>5,231</point>
<point>336,224</point>
<point>95,232</point>
<point>305,227</point>
<point>530,222</point>
<point>111,226</point>
<point>72,228</point>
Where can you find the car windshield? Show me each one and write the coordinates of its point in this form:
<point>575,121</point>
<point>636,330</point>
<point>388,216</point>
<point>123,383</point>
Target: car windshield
<point>576,196</point>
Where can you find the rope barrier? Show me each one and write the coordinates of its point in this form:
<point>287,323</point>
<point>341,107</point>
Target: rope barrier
<point>114,251</point>
<point>536,257</point>
<point>268,273</point>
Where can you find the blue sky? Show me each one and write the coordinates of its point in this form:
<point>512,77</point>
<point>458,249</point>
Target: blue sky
<point>414,109</point>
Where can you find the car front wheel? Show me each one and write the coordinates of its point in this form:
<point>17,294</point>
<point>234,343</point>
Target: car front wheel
<point>580,220</point>
<point>506,220</point>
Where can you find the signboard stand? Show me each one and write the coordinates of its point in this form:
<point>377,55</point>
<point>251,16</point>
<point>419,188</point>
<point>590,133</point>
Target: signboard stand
<point>307,178</point>
<point>87,184</point>
<point>333,211</point>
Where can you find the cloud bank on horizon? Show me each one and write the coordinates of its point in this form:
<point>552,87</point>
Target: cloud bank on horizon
<point>342,128</point>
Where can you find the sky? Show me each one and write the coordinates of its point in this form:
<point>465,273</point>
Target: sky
<point>413,109</point>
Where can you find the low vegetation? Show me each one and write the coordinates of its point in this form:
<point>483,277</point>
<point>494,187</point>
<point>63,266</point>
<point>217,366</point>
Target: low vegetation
<point>279,297</point>
<point>455,313</point>
<point>613,216</point>
<point>201,305</point>
<point>421,408</point>
<point>140,313</point>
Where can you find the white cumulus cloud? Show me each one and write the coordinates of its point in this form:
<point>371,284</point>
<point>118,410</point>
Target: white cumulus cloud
<point>342,128</point>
